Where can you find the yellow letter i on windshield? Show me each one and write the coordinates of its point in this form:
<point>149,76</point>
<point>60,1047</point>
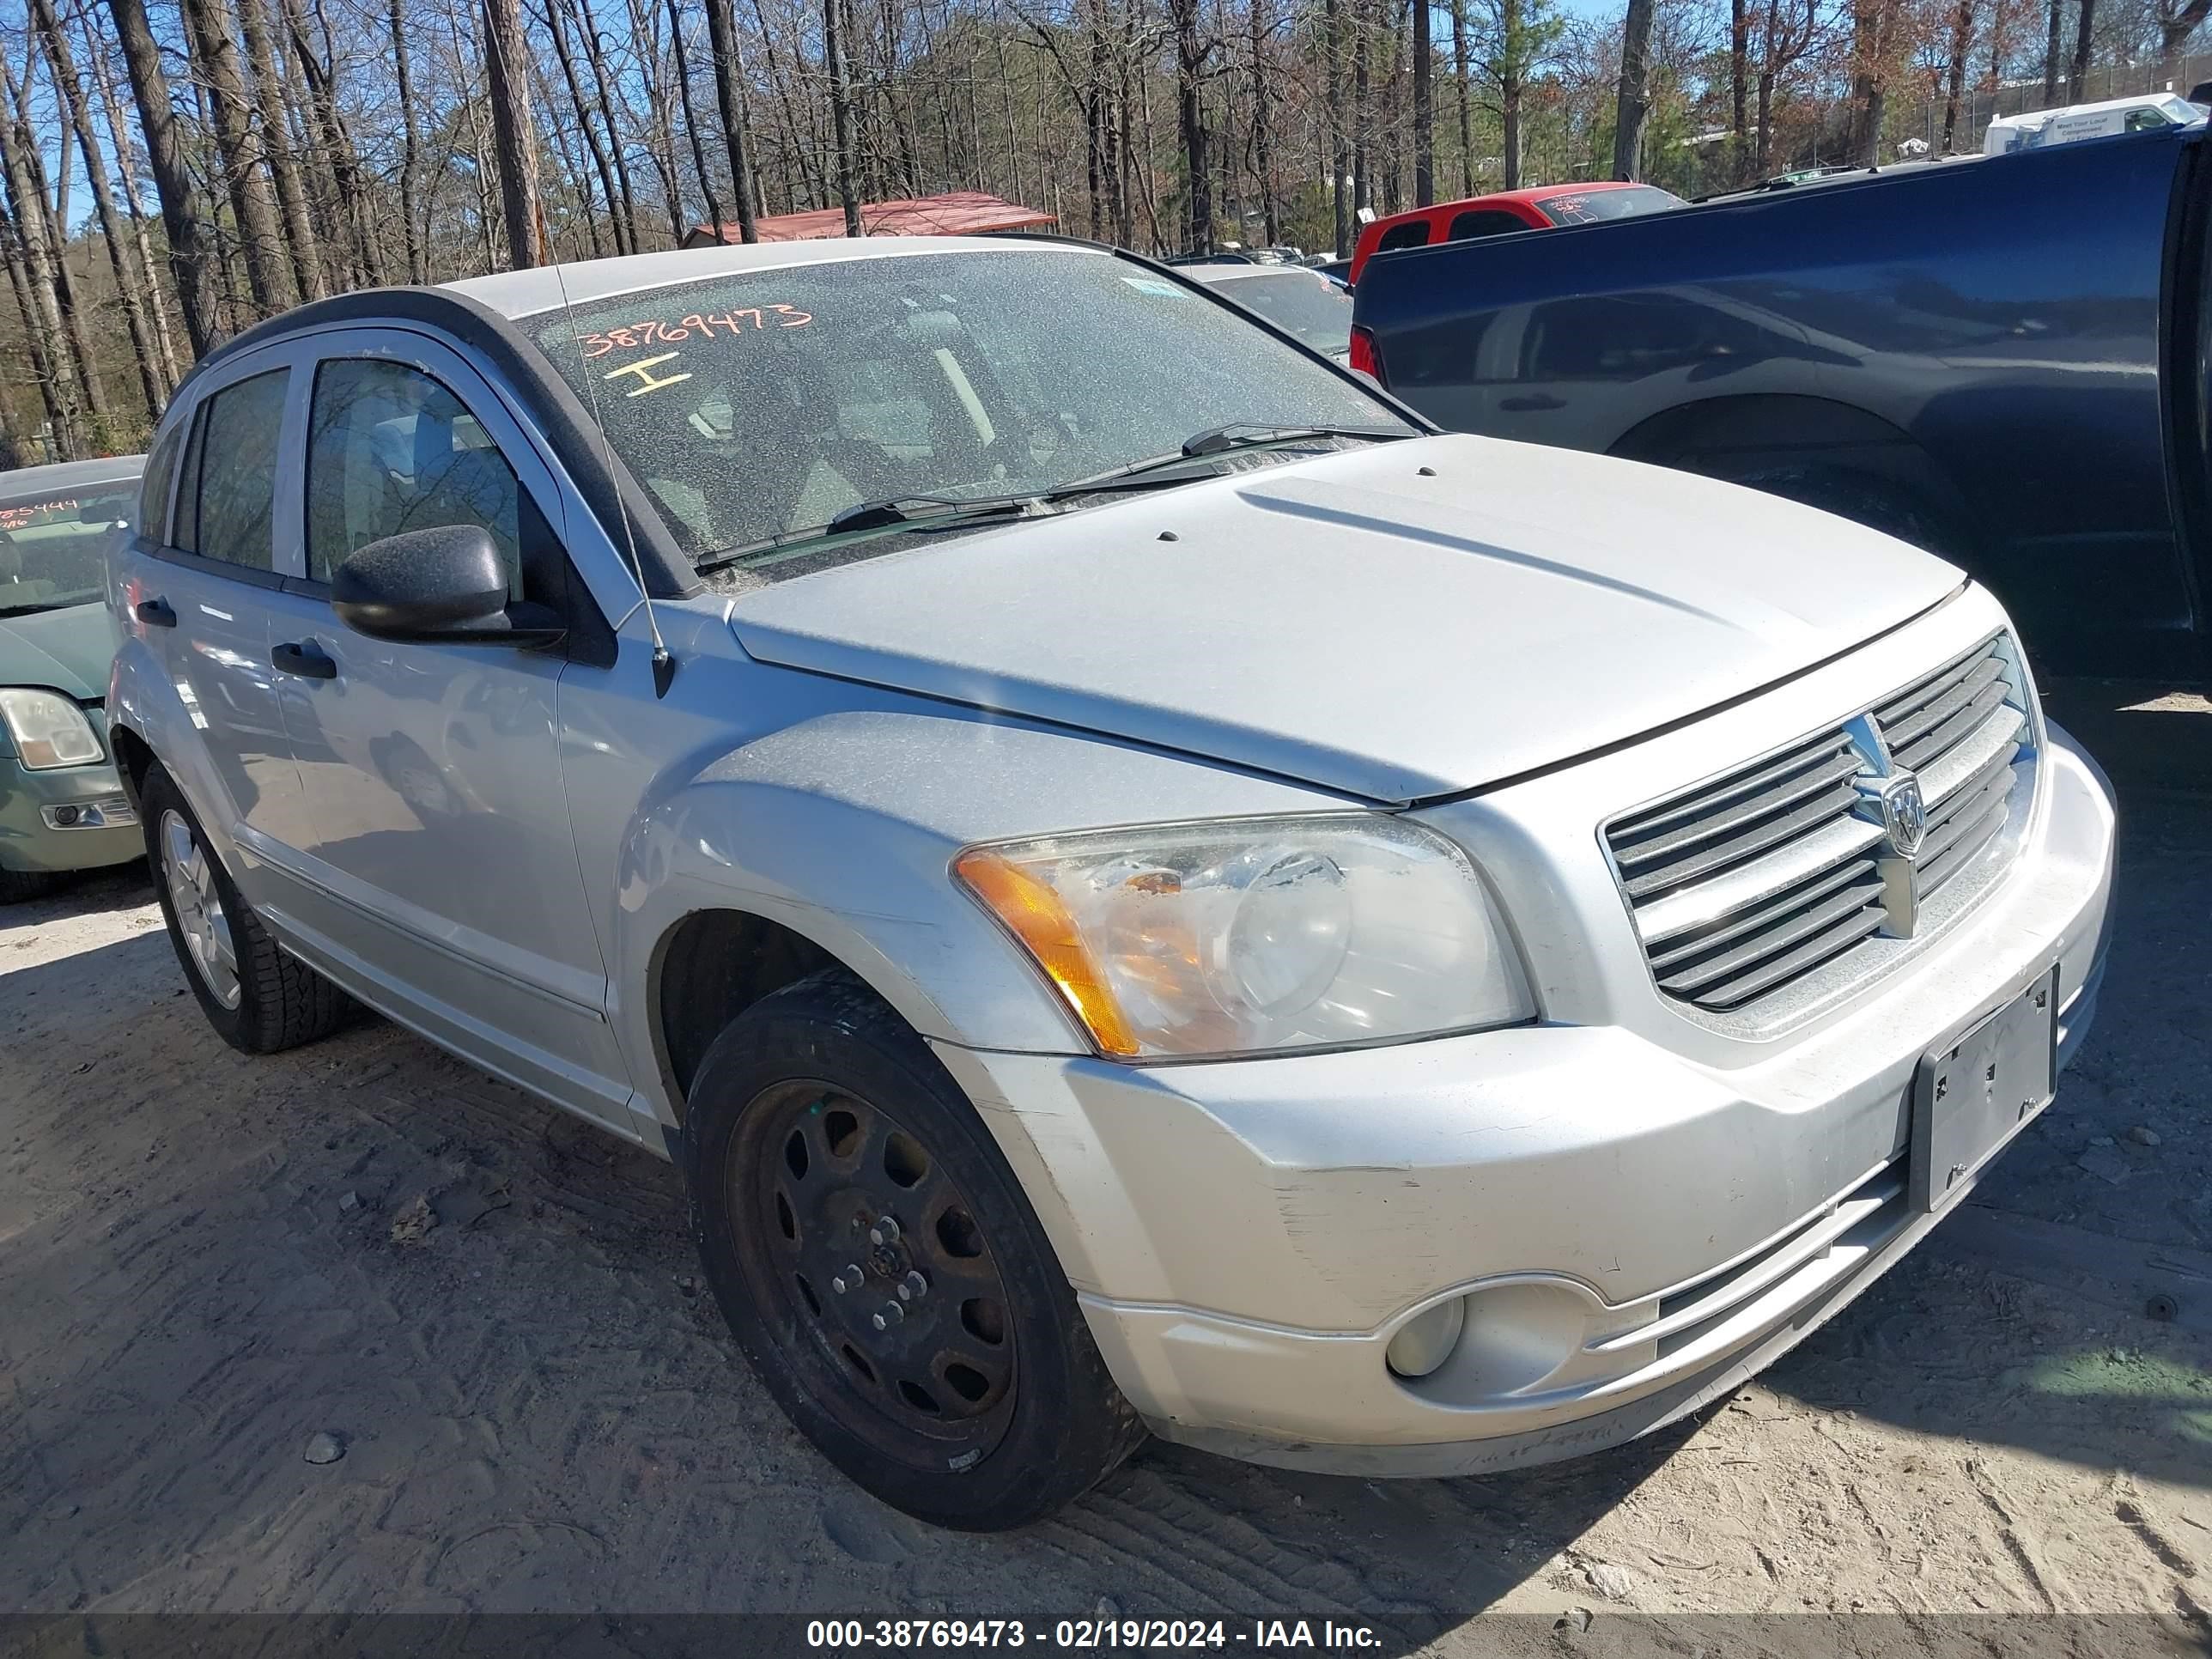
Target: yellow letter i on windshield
<point>642,368</point>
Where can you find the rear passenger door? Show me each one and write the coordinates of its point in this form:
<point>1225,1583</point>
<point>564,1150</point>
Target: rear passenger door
<point>198,589</point>
<point>442,866</point>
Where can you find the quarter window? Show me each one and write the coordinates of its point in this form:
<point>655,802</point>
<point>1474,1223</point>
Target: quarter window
<point>224,510</point>
<point>1474,225</point>
<point>154,492</point>
<point>1414,233</point>
<point>391,450</point>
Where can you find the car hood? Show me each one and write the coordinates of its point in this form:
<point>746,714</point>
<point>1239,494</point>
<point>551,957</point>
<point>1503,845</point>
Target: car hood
<point>69,650</point>
<point>1398,621</point>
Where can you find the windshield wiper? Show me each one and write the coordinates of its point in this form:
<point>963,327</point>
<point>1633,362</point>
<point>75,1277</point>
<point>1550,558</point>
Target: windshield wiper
<point>929,512</point>
<point>1221,440</point>
<point>913,509</point>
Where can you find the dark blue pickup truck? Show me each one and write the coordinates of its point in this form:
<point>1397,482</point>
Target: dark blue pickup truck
<point>2001,360</point>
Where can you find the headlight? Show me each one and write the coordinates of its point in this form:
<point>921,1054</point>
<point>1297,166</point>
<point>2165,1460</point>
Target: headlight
<point>1257,935</point>
<point>49,730</point>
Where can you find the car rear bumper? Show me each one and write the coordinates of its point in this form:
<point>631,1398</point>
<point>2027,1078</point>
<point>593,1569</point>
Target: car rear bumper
<point>72,818</point>
<point>1635,1231</point>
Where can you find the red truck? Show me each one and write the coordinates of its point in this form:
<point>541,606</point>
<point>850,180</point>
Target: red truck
<point>1542,207</point>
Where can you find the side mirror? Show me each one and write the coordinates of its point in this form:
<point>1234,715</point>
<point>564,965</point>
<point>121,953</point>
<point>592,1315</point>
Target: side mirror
<point>445,585</point>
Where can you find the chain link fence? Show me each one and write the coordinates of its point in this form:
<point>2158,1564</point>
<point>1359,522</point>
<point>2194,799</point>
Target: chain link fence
<point>1979,106</point>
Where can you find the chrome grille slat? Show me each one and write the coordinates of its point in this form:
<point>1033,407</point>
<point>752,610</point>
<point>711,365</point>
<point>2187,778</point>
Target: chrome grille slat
<point>1951,860</point>
<point>1896,708</point>
<point>1772,930</point>
<point>1749,844</point>
<point>1680,948</point>
<point>1697,804</point>
<point>1830,770</point>
<point>1733,993</point>
<point>1746,883</point>
<point>1901,733</point>
<point>1929,746</point>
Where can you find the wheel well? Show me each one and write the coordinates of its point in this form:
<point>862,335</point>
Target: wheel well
<point>1762,430</point>
<point>132,757</point>
<point>713,966</point>
<point>1753,438</point>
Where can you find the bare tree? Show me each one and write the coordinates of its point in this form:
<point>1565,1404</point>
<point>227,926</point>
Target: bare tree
<point>507,65</point>
<point>729,73</point>
<point>1635,98</point>
<point>190,254</point>
<point>1425,139</point>
<point>301,242</point>
<point>2077,71</point>
<point>211,26</point>
<point>130,290</point>
<point>2176,21</point>
<point>841,107</point>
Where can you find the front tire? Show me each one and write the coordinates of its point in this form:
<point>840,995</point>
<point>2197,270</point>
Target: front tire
<point>19,886</point>
<point>258,998</point>
<point>883,1273</point>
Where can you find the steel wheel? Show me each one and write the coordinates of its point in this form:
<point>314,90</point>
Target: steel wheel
<point>857,1229</point>
<point>198,902</point>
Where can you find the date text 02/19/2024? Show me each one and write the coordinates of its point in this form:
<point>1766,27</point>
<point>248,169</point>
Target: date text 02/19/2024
<point>1086,1633</point>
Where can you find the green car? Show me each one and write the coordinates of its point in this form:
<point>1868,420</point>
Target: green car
<point>62,806</point>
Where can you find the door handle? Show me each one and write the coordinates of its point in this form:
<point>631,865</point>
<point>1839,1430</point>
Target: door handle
<point>154,613</point>
<point>1533,400</point>
<point>305,658</point>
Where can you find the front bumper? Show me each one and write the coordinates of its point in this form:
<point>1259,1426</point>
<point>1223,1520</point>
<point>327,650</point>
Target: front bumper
<point>71,817</point>
<point>1644,1229</point>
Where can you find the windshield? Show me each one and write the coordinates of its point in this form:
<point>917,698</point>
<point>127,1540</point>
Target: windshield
<point>764,404</point>
<point>1588,206</point>
<point>53,546</point>
<point>1303,304</point>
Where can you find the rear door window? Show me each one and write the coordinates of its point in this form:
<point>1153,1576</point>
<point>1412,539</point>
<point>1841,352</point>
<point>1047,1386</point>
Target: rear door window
<point>225,510</point>
<point>1414,233</point>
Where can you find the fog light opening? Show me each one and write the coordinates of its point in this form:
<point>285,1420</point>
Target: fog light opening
<point>1427,1339</point>
<point>64,816</point>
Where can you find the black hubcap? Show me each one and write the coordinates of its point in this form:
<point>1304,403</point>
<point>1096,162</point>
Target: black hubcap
<point>854,1227</point>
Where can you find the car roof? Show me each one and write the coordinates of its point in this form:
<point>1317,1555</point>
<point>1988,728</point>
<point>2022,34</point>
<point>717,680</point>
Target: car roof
<point>70,475</point>
<point>1229,273</point>
<point>544,287</point>
<point>1528,197</point>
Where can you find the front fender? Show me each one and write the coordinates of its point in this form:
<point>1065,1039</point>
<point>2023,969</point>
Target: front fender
<point>843,828</point>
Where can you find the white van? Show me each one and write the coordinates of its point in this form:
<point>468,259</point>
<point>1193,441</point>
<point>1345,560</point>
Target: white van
<point>2062,126</point>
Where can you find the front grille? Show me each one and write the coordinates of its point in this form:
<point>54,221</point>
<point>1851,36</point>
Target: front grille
<point>1743,884</point>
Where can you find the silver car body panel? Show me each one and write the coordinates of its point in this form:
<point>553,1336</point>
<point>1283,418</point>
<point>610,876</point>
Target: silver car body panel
<point>1463,610</point>
<point>1531,641</point>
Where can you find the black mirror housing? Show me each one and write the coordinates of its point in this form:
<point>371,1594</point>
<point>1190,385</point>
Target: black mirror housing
<point>446,583</point>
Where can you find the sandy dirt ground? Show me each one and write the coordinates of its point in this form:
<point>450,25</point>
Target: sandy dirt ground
<point>215,1271</point>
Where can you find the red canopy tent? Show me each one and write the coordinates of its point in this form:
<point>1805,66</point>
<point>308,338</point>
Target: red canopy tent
<point>958,213</point>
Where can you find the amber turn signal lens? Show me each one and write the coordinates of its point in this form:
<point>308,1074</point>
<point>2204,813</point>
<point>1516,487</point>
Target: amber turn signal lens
<point>1032,912</point>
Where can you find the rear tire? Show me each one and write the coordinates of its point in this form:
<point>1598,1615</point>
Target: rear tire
<point>258,998</point>
<point>984,1404</point>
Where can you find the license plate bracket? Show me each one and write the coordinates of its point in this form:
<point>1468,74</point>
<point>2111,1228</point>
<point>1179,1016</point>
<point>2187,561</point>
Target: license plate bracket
<point>1970,1095</point>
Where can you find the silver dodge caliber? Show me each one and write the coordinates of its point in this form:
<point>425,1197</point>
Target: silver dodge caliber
<point>1143,889</point>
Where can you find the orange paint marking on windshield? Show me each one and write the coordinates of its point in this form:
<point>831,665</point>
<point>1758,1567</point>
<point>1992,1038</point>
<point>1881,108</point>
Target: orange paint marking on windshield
<point>19,518</point>
<point>631,337</point>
